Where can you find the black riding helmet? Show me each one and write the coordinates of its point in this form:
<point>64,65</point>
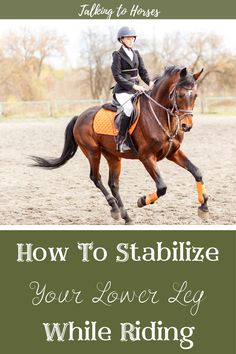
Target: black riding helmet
<point>126,32</point>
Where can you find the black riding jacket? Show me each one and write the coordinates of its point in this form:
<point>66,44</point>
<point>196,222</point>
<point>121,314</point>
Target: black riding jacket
<point>125,71</point>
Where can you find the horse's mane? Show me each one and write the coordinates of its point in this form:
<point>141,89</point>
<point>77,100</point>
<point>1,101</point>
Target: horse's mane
<point>187,80</point>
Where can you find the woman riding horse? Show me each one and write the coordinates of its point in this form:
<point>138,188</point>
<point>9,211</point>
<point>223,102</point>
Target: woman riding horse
<point>127,64</point>
<point>166,113</point>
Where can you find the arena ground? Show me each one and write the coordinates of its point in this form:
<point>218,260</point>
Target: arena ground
<point>66,196</point>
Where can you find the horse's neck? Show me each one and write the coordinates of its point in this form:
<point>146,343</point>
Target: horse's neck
<point>161,93</point>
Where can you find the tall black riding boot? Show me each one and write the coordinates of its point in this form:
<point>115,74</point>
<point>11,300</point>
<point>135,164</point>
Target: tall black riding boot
<point>122,146</point>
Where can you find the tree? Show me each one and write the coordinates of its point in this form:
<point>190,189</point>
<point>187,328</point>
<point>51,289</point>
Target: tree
<point>97,55</point>
<point>196,51</point>
<point>24,54</point>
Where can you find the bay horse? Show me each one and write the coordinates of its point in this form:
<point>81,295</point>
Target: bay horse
<point>166,114</point>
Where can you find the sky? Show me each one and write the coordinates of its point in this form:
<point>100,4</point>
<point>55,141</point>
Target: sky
<point>72,30</point>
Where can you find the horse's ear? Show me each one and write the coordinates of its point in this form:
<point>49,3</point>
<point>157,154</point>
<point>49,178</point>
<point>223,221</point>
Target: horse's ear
<point>196,76</point>
<point>183,72</point>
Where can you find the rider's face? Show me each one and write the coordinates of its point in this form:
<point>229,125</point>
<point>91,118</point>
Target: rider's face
<point>128,41</point>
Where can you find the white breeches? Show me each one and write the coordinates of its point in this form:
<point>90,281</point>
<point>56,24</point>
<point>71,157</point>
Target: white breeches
<point>124,99</point>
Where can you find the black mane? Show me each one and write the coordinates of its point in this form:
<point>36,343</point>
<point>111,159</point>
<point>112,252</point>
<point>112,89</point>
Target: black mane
<point>187,80</point>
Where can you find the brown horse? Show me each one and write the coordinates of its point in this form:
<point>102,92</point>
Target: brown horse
<point>166,113</point>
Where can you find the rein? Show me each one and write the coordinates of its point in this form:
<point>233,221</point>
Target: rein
<point>173,112</point>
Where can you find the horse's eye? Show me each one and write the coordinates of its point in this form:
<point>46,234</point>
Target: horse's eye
<point>181,95</point>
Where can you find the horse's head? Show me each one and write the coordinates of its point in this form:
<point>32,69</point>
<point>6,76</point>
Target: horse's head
<point>182,97</point>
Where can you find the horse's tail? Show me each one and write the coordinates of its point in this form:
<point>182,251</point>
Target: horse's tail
<point>70,148</point>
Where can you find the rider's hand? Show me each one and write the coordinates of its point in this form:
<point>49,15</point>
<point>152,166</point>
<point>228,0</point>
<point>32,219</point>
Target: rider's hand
<point>138,88</point>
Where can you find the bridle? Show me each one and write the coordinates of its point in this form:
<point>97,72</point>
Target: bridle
<point>175,107</point>
<point>179,114</point>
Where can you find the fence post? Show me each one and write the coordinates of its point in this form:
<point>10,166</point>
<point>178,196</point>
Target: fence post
<point>206,105</point>
<point>50,111</point>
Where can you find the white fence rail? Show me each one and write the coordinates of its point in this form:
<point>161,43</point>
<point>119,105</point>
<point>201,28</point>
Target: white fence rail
<point>45,108</point>
<point>59,108</point>
<point>220,104</point>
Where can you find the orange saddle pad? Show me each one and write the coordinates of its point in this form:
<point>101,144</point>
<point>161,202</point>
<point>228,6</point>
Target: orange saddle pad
<point>104,122</point>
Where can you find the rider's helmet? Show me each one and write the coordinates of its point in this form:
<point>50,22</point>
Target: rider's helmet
<point>126,32</point>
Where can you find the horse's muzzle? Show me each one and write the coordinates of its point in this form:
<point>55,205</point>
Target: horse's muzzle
<point>185,127</point>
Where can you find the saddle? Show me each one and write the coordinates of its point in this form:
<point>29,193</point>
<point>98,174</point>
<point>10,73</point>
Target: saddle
<point>107,119</point>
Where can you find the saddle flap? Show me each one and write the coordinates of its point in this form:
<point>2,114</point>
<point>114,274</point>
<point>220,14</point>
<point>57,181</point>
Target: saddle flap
<point>106,121</point>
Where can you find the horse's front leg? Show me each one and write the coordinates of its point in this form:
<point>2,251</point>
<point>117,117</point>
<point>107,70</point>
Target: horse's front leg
<point>150,163</point>
<point>180,159</point>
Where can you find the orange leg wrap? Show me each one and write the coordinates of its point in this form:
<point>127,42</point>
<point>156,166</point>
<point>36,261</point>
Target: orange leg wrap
<point>151,198</point>
<point>200,191</point>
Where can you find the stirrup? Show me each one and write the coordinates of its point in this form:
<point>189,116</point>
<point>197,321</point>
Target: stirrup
<point>123,147</point>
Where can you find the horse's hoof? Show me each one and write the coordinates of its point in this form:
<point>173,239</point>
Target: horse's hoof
<point>115,215</point>
<point>204,215</point>
<point>141,202</point>
<point>129,222</point>
<point>123,213</point>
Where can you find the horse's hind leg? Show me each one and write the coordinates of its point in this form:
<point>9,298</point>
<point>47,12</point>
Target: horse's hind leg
<point>180,159</point>
<point>113,182</point>
<point>94,158</point>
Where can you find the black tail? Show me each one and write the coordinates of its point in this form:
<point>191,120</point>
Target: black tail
<point>68,152</point>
